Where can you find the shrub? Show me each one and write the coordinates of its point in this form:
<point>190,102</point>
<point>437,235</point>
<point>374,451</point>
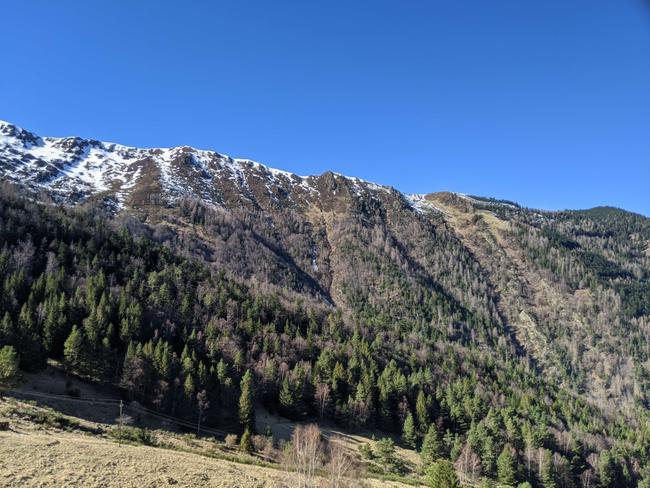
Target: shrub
<point>231,441</point>
<point>246,442</point>
<point>366,451</point>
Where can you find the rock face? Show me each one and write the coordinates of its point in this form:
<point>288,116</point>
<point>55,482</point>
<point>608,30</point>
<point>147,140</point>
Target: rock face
<point>566,290</point>
<point>72,169</point>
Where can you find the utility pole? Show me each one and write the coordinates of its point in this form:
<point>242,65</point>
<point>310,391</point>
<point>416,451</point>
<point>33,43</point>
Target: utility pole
<point>119,426</point>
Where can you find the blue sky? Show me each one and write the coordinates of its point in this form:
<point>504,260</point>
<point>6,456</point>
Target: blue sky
<point>546,103</point>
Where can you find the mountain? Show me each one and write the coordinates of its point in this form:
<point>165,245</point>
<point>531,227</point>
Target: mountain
<point>482,317</point>
<point>72,169</point>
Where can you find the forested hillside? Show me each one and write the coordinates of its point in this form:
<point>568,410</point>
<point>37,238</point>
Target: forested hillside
<point>513,342</point>
<point>188,338</point>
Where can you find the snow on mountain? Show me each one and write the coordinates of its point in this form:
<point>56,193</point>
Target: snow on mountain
<point>420,203</point>
<point>71,169</point>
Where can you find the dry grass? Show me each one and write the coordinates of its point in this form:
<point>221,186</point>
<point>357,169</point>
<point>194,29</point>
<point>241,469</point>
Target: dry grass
<point>43,454</point>
<point>60,460</point>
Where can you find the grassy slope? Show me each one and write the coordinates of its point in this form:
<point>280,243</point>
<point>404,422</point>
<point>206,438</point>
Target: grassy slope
<point>45,447</point>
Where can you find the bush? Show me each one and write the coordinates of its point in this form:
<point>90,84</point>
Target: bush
<point>366,451</point>
<point>246,442</point>
<point>133,435</point>
<point>262,443</point>
<point>231,441</point>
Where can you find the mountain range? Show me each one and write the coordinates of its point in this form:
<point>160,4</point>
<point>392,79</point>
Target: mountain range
<point>459,286</point>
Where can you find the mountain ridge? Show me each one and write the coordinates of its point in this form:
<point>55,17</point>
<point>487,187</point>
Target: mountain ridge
<point>121,160</point>
<point>471,307</point>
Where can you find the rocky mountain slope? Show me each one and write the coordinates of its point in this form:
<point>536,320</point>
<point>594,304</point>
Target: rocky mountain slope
<point>361,246</point>
<point>457,285</point>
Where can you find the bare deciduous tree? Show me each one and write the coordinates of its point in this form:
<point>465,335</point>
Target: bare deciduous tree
<point>340,465</point>
<point>305,453</point>
<point>203,404</point>
<point>322,396</point>
<point>586,478</point>
<point>469,463</point>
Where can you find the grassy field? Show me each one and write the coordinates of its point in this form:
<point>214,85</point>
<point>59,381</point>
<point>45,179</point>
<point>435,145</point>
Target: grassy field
<point>64,459</point>
<point>42,447</point>
<point>54,439</point>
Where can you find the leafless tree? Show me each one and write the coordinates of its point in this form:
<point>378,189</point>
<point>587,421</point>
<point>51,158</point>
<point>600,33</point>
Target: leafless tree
<point>203,404</point>
<point>340,465</point>
<point>322,395</point>
<point>586,478</point>
<point>231,441</point>
<point>305,453</point>
<point>469,463</point>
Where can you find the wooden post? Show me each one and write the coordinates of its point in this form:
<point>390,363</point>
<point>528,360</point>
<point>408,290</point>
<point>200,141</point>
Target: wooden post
<point>119,426</point>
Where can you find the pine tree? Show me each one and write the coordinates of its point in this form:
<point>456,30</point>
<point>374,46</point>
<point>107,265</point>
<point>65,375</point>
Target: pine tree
<point>74,351</point>
<point>443,475</point>
<point>422,411</point>
<point>287,399</point>
<point>189,388</point>
<point>131,321</point>
<point>506,469</point>
<point>386,454</point>
<point>7,330</point>
<point>431,446</point>
<point>246,407</point>
<point>8,368</point>
<point>50,327</point>
<point>546,472</point>
<point>606,470</point>
<point>409,437</point>
<point>488,455</point>
<point>28,341</point>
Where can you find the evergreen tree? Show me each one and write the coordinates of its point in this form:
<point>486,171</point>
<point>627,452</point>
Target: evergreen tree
<point>286,399</point>
<point>506,468</point>
<point>74,351</point>
<point>546,471</point>
<point>409,437</point>
<point>246,442</point>
<point>7,331</point>
<point>422,411</point>
<point>488,455</point>
<point>189,388</point>
<point>8,368</point>
<point>386,455</point>
<point>431,446</point>
<point>443,475</point>
<point>131,320</point>
<point>28,340</point>
<point>246,407</point>
<point>55,326</point>
<point>606,470</point>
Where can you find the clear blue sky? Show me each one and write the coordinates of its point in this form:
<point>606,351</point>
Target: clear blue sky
<point>546,102</point>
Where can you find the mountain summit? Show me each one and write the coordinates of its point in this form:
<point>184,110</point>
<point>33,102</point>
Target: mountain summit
<point>71,169</point>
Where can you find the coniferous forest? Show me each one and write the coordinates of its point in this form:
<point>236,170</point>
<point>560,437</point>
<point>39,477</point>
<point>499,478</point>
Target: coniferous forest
<point>186,337</point>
